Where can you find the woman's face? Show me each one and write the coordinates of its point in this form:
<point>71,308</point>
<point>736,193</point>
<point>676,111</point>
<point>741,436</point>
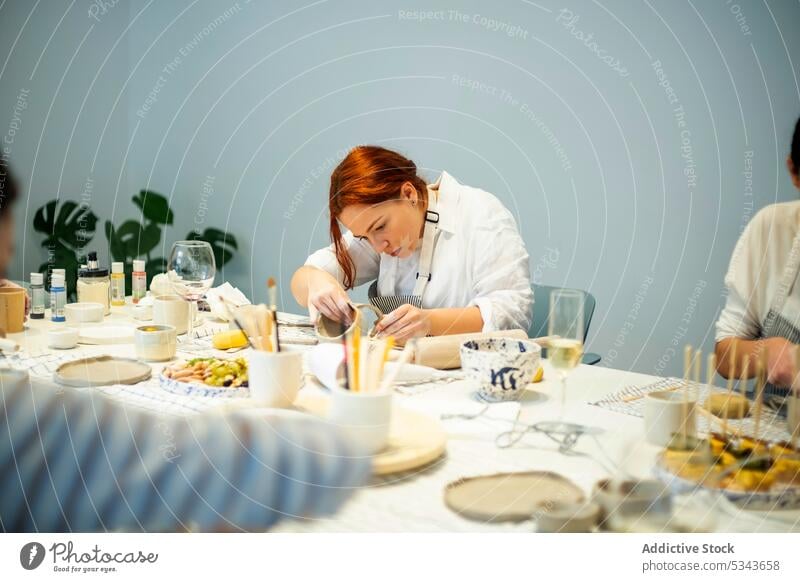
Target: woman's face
<point>393,227</point>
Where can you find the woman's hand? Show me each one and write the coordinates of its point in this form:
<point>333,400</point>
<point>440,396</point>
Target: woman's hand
<point>330,299</point>
<point>404,323</point>
<point>7,283</point>
<point>780,361</point>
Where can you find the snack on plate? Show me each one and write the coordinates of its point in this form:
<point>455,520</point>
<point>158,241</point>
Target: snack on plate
<point>733,406</point>
<point>734,464</point>
<point>211,372</point>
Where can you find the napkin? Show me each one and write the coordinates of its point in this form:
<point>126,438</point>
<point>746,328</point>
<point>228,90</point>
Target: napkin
<point>232,296</point>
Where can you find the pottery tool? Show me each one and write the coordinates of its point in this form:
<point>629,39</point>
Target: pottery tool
<point>346,356</point>
<point>236,321</point>
<point>273,306</point>
<point>405,358</point>
<point>761,372</point>
<point>444,352</point>
<point>731,376</point>
<point>687,369</point>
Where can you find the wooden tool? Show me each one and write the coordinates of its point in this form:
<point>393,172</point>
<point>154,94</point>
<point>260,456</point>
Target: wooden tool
<point>444,352</point>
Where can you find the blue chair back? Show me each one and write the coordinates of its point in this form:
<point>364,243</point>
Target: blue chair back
<point>541,311</point>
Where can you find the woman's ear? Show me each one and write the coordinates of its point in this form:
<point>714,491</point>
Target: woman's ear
<point>793,172</point>
<point>408,192</point>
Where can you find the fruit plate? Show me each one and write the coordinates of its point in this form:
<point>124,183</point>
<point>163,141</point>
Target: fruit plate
<point>197,389</point>
<point>776,498</point>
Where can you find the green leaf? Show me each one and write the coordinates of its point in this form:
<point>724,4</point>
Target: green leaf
<point>154,207</point>
<point>115,246</point>
<point>71,224</point>
<point>222,243</point>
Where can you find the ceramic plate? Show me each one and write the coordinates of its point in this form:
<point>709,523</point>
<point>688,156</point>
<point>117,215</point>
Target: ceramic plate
<point>776,498</point>
<point>101,371</point>
<point>197,389</point>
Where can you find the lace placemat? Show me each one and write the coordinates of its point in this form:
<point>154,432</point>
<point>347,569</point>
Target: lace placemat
<point>630,401</point>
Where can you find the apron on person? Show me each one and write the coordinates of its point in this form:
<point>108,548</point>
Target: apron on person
<point>389,301</point>
<point>782,320</point>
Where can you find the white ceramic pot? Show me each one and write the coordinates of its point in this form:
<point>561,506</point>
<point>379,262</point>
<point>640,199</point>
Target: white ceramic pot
<point>502,367</point>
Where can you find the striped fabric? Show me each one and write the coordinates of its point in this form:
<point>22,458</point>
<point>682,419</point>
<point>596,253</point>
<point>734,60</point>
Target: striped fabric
<point>77,461</point>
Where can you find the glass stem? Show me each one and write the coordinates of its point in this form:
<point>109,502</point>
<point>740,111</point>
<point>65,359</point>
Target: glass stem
<point>563,396</point>
<point>190,324</point>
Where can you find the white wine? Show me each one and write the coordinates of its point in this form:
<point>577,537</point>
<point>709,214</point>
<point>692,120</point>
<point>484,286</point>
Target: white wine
<point>564,354</point>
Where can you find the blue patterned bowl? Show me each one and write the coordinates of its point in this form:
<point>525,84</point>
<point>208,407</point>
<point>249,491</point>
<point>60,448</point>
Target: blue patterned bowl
<point>501,367</point>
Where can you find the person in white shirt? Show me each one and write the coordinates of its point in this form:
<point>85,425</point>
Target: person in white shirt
<point>444,258</point>
<point>763,305</point>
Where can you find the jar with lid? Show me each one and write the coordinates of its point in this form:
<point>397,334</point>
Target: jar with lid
<point>94,284</point>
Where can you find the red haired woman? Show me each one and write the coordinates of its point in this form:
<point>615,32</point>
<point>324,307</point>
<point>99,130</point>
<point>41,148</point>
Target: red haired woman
<point>444,258</point>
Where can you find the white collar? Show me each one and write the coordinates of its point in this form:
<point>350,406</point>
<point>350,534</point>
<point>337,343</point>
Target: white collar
<point>447,202</point>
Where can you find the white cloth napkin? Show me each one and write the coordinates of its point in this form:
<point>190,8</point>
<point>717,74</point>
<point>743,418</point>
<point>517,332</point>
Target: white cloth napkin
<point>232,296</point>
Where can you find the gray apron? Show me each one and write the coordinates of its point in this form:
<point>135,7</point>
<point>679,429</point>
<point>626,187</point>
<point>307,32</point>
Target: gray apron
<point>388,301</point>
<point>782,319</point>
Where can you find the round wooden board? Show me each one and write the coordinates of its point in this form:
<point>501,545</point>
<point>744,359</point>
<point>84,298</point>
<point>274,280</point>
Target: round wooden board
<point>508,496</point>
<point>101,371</point>
<point>414,439</point>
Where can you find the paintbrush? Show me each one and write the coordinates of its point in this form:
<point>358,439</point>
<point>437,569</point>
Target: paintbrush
<point>273,305</point>
<point>236,322</point>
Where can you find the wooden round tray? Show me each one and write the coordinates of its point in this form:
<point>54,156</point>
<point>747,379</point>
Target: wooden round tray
<point>414,439</point>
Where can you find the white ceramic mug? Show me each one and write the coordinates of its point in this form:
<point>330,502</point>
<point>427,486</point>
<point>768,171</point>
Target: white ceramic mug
<point>275,377</point>
<point>171,310</point>
<point>365,416</point>
<point>664,414</point>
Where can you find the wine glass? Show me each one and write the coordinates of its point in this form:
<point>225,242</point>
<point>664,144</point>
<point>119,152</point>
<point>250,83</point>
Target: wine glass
<point>566,329</point>
<point>191,269</point>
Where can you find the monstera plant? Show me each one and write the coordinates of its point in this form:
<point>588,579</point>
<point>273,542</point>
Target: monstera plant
<point>132,239</point>
<point>69,228</point>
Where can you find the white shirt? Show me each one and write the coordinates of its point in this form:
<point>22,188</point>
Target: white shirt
<point>755,272</point>
<point>479,259</point>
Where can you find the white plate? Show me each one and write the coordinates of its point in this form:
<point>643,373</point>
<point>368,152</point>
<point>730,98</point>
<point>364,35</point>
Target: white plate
<point>106,334</point>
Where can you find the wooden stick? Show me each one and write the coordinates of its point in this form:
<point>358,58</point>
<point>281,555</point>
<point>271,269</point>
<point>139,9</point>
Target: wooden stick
<point>687,365</point>
<point>346,356</point>
<point>236,322</point>
<point>794,394</point>
<point>734,431</point>
<point>761,381</point>
<point>356,386</point>
<point>408,353</point>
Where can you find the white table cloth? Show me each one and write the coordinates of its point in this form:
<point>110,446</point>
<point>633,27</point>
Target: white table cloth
<point>413,502</point>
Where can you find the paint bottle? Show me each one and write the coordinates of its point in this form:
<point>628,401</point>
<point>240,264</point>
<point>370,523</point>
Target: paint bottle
<point>138,281</point>
<point>118,284</point>
<point>37,296</point>
<point>58,298</point>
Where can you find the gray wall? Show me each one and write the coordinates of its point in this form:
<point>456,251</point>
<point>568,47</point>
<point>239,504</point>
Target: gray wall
<point>579,136</point>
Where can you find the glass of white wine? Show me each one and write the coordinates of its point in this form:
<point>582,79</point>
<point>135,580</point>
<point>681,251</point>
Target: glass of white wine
<point>565,327</point>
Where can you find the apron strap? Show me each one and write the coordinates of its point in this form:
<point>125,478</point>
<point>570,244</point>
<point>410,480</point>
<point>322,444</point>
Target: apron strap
<point>788,278</point>
<point>428,242</point>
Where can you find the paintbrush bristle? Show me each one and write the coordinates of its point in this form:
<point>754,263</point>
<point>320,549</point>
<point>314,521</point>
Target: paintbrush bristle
<point>271,282</point>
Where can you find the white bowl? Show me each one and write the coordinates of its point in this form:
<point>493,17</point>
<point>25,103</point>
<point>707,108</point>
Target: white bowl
<point>85,312</point>
<point>502,367</point>
<point>156,343</point>
<point>62,338</point>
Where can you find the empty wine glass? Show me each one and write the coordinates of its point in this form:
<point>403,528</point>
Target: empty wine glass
<point>191,269</point>
<point>566,328</point>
